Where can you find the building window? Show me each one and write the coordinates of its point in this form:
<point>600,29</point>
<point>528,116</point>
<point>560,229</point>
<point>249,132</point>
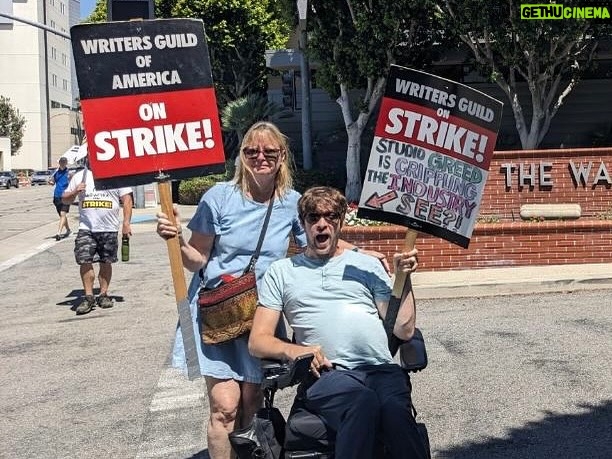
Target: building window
<point>54,80</point>
<point>52,24</point>
<point>64,59</point>
<point>65,84</point>
<point>62,8</point>
<point>288,89</point>
<point>53,53</point>
<point>291,82</point>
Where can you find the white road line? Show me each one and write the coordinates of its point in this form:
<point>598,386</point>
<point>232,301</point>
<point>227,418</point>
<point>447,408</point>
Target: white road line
<point>175,424</point>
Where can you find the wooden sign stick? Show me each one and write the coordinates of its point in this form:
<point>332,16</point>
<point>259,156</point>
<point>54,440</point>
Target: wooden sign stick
<point>400,277</point>
<point>180,286</point>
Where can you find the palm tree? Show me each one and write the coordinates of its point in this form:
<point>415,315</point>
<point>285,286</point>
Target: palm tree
<point>240,114</point>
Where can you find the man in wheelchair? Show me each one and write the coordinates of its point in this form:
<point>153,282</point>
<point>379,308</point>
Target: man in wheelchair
<point>336,300</point>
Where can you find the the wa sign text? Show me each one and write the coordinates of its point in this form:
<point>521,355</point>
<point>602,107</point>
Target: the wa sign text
<point>541,174</point>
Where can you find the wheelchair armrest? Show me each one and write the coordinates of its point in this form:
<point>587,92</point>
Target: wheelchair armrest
<point>279,374</point>
<point>412,353</point>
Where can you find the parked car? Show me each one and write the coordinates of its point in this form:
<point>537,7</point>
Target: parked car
<point>9,179</point>
<point>41,177</point>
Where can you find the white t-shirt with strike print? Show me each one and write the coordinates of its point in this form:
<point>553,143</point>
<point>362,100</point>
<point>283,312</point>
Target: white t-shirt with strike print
<point>98,209</point>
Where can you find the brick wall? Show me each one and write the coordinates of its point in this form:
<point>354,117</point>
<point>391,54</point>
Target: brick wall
<point>503,202</point>
<point>510,241</point>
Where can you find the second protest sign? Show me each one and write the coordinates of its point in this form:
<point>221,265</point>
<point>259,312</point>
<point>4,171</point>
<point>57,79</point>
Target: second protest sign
<point>429,161</point>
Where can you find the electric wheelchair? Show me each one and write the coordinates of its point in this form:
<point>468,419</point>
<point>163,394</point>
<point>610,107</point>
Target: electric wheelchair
<point>304,435</point>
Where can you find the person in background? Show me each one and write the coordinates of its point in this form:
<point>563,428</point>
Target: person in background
<point>61,178</point>
<point>97,239</point>
<point>335,301</point>
<point>224,233</point>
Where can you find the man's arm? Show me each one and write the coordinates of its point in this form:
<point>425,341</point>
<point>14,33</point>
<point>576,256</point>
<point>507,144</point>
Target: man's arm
<point>406,316</point>
<point>263,343</point>
<point>405,322</point>
<point>71,193</point>
<point>128,204</point>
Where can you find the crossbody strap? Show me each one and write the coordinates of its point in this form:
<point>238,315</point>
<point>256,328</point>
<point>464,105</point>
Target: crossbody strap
<point>255,256</point>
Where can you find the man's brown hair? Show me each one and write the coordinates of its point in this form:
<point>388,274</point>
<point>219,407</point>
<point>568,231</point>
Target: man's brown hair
<point>315,195</point>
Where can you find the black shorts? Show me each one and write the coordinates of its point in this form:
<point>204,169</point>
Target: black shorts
<point>95,247</point>
<point>60,206</point>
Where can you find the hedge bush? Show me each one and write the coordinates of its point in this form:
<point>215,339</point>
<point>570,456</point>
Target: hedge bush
<point>191,190</point>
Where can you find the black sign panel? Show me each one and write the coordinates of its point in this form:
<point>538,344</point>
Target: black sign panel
<point>161,55</point>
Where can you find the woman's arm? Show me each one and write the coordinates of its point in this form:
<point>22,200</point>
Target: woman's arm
<point>373,253</point>
<point>195,252</point>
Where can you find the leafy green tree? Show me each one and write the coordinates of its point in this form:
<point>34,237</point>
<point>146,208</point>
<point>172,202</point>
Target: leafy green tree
<point>354,42</point>
<point>99,12</point>
<point>238,33</point>
<point>549,55</point>
<point>12,124</point>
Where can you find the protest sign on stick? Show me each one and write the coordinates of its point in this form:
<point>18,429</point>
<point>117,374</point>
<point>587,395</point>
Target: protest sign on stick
<point>430,157</point>
<point>150,114</point>
<point>148,100</point>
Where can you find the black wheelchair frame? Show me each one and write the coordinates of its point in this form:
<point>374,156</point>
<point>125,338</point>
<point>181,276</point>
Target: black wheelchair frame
<point>304,434</point>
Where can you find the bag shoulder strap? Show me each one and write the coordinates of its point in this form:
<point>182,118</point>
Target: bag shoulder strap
<point>255,256</point>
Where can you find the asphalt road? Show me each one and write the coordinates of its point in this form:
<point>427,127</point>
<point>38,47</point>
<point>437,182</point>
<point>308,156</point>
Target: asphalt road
<point>25,209</point>
<point>522,376</point>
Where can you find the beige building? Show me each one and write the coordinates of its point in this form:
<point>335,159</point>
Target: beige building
<point>36,74</point>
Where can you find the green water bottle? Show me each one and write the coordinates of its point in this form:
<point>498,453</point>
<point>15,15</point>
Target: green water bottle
<point>125,248</point>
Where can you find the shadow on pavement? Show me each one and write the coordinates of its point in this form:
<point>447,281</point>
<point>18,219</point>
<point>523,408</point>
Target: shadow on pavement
<point>201,455</point>
<point>74,296</point>
<point>586,436</point>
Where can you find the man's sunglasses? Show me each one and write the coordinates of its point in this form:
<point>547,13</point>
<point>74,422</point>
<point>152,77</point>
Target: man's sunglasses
<point>330,217</point>
<point>271,154</point>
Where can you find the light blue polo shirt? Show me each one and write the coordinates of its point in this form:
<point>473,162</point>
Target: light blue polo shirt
<point>331,303</point>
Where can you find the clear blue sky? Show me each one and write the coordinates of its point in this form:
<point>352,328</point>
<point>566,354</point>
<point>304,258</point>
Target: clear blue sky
<point>87,6</point>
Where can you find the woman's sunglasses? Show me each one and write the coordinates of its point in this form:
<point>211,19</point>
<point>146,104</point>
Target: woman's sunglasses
<point>271,154</point>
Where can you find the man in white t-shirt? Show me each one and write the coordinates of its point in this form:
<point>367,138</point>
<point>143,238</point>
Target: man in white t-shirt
<point>97,239</point>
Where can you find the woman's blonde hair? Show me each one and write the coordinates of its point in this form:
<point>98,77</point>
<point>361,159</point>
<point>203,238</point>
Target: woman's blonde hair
<point>284,176</point>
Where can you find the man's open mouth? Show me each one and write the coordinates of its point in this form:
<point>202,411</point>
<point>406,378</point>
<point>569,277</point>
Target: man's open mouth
<point>322,238</point>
